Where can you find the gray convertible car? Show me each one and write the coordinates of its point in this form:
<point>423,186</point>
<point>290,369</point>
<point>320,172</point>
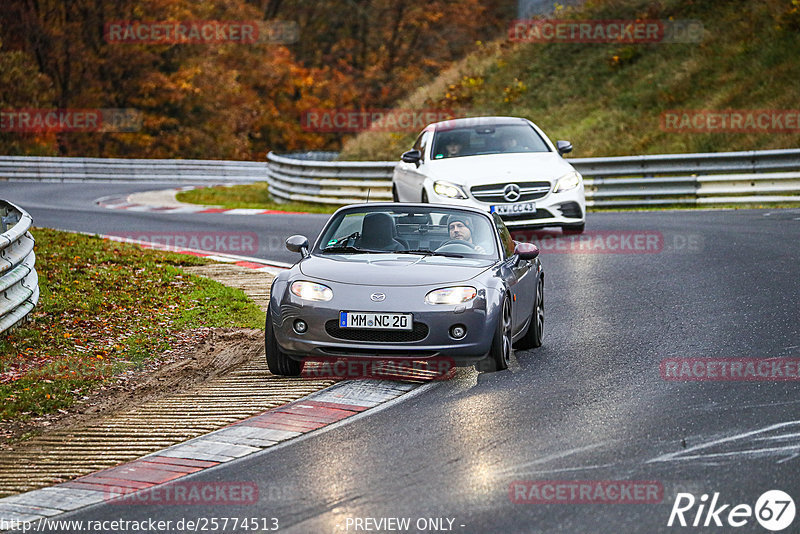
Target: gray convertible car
<point>406,282</point>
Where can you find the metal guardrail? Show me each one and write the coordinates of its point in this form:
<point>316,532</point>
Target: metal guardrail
<point>298,177</point>
<point>19,284</point>
<point>726,177</point>
<point>628,181</point>
<point>56,169</point>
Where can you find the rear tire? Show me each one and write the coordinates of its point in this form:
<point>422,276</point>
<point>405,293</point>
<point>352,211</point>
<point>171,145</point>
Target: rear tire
<point>278,362</point>
<point>533,337</point>
<point>501,350</point>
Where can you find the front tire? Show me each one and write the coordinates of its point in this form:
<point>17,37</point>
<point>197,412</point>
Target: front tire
<point>500,353</point>
<point>424,197</point>
<point>395,197</point>
<point>278,362</point>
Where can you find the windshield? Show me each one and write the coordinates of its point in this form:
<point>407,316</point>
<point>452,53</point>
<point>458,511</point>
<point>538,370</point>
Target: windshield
<point>487,139</point>
<point>430,231</point>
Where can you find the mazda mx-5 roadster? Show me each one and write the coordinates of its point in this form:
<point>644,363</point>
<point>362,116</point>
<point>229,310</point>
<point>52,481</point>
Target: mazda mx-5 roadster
<point>398,281</point>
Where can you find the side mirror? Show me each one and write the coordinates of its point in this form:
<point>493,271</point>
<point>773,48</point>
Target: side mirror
<point>412,156</point>
<point>564,147</point>
<point>298,243</point>
<point>526,251</point>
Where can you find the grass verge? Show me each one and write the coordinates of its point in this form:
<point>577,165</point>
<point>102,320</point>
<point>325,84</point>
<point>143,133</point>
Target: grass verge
<point>608,99</point>
<point>254,196</point>
<point>105,308</point>
<point>257,196</point>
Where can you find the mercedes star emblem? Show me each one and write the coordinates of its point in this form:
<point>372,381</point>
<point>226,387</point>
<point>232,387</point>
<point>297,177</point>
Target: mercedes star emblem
<point>511,192</point>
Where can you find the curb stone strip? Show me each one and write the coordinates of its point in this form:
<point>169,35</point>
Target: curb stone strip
<point>246,437</point>
<point>81,492</point>
<point>255,434</point>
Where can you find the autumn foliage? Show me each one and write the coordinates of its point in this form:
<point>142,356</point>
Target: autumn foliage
<point>224,100</point>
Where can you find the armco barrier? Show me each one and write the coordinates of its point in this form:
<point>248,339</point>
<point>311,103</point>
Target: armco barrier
<point>55,169</point>
<point>19,284</point>
<point>628,181</point>
<point>727,177</point>
<point>299,177</point>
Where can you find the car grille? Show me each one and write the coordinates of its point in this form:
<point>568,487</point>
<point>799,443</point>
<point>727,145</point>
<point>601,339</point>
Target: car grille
<point>381,352</point>
<point>418,332</point>
<point>571,210</point>
<point>493,193</point>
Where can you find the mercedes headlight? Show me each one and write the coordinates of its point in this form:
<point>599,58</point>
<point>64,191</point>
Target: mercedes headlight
<point>451,295</point>
<point>448,189</point>
<point>567,182</point>
<point>312,291</point>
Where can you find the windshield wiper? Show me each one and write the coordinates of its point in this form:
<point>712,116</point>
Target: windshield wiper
<point>426,252</point>
<point>345,248</point>
<point>354,250</point>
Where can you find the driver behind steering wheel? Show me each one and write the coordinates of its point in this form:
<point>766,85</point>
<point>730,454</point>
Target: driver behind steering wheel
<point>460,228</point>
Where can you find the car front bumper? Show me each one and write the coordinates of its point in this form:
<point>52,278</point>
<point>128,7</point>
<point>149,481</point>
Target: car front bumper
<point>553,209</point>
<point>430,338</point>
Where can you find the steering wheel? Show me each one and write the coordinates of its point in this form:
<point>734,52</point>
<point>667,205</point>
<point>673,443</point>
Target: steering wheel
<point>449,242</point>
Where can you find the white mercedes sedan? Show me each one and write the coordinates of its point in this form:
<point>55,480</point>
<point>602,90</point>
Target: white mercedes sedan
<point>504,165</point>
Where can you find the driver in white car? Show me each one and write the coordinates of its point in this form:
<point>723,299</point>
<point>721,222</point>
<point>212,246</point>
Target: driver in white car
<point>460,228</point>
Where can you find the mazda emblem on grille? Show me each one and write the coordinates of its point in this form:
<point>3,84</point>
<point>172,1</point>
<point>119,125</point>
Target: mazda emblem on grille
<point>378,297</point>
<point>511,192</point>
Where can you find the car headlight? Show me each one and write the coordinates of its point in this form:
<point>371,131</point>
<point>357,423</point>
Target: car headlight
<point>448,189</point>
<point>567,182</point>
<point>451,295</point>
<point>312,291</point>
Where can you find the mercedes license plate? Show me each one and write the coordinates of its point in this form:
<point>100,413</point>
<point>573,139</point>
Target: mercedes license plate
<point>514,209</point>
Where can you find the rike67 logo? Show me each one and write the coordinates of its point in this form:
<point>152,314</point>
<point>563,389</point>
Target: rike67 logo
<point>774,510</point>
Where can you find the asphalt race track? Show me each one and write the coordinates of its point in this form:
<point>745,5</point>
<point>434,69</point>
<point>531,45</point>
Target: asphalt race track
<point>72,206</point>
<point>590,405</point>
